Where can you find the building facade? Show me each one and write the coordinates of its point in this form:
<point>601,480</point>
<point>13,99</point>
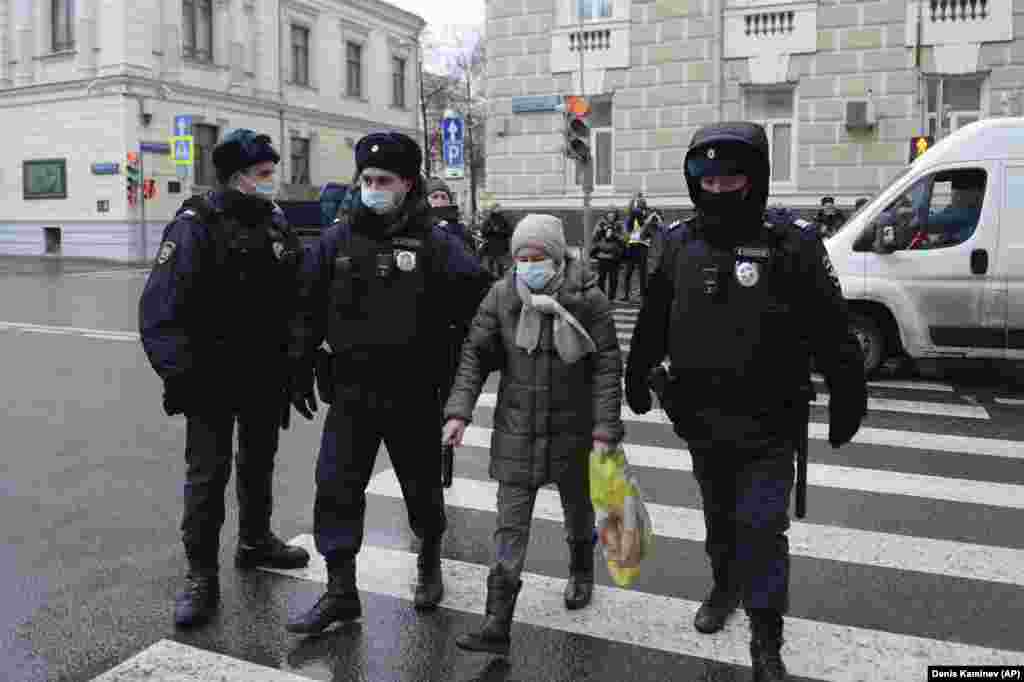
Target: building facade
<point>840,85</point>
<point>83,83</point>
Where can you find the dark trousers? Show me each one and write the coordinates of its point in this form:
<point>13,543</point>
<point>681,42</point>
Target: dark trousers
<point>745,512</point>
<point>405,419</point>
<point>636,261</point>
<point>608,274</point>
<point>208,454</point>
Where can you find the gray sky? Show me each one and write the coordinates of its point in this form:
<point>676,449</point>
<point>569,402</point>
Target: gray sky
<point>450,22</point>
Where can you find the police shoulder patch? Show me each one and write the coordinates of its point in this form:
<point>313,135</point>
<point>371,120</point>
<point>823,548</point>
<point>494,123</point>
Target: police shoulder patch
<point>166,252</point>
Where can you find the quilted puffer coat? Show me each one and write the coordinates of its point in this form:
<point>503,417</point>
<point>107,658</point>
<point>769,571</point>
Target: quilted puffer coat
<point>548,413</point>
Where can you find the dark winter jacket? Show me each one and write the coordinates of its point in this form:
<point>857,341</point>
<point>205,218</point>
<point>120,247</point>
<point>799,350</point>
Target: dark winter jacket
<point>608,244</point>
<point>548,413</point>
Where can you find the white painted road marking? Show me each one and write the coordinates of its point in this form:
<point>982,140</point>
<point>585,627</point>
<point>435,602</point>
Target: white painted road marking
<point>168,661</point>
<point>111,334</point>
<point>817,541</point>
<point>968,491</point>
<point>813,649</point>
<point>867,435</point>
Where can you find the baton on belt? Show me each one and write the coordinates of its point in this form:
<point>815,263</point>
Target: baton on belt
<point>802,438</point>
<point>447,464</point>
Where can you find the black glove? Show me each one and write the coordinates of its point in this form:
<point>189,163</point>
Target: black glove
<point>638,394</point>
<point>845,415</point>
<point>301,385</point>
<point>178,394</point>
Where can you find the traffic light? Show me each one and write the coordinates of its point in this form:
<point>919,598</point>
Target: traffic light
<point>131,172</point>
<point>577,131</point>
<point>149,188</point>
<point>919,145</point>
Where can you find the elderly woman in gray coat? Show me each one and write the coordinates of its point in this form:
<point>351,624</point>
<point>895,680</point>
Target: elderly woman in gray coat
<point>549,329</point>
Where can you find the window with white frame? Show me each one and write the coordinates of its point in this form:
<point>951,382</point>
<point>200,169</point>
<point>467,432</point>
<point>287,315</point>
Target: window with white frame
<point>398,81</point>
<point>300,157</point>
<point>354,69</point>
<point>959,100</point>
<point>62,25</point>
<point>197,29</point>
<point>602,142</point>
<point>205,141</point>
<point>300,54</point>
<point>774,110</point>
<point>593,9</point>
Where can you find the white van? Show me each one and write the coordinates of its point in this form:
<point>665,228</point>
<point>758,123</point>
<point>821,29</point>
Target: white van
<point>934,266</point>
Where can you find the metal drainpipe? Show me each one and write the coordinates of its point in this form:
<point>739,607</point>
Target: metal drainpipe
<point>717,57</point>
<point>280,83</point>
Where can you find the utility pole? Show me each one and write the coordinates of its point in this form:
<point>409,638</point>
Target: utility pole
<point>467,72</point>
<point>587,165</point>
<point>427,156</point>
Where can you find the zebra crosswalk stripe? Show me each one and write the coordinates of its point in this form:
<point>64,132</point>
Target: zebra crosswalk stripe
<point>817,541</point>
<point>1005,495</point>
<point>814,649</point>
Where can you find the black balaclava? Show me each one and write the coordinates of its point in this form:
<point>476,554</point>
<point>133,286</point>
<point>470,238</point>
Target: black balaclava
<point>728,219</point>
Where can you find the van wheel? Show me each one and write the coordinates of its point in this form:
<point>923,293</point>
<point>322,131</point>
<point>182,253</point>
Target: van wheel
<point>871,339</point>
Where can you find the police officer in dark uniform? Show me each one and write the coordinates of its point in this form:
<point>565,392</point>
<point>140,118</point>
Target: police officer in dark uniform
<point>740,308</point>
<point>214,323</point>
<point>383,287</point>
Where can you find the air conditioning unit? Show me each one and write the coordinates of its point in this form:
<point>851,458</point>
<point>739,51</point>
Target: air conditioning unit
<point>860,115</point>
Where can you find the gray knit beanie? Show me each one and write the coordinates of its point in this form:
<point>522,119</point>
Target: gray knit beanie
<point>542,232</point>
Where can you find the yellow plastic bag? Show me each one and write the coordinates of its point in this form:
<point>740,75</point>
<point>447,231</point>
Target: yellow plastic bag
<point>623,524</point>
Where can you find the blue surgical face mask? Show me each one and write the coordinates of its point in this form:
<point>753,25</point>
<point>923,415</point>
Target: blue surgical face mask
<point>535,275</point>
<point>380,200</point>
<point>265,189</point>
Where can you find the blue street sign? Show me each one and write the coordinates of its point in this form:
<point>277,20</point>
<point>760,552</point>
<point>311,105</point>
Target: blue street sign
<point>522,105</point>
<point>452,131</point>
<point>182,125</point>
<point>109,168</point>
<point>454,157</point>
<point>155,147</point>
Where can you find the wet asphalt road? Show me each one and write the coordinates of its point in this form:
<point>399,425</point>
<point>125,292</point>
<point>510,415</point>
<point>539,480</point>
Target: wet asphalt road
<point>91,560</point>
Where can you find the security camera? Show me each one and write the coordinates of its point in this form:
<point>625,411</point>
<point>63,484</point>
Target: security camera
<point>147,118</point>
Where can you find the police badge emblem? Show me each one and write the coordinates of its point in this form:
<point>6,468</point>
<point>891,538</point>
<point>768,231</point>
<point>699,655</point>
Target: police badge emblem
<point>406,260</point>
<point>165,253</point>
<point>375,148</point>
<point>711,153</point>
<point>747,273</point>
<point>278,250</point>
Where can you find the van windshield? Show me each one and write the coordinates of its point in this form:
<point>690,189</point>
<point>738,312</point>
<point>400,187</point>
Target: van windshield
<point>870,205</point>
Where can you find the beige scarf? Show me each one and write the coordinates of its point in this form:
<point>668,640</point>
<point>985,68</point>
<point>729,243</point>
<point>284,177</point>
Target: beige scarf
<point>571,340</point>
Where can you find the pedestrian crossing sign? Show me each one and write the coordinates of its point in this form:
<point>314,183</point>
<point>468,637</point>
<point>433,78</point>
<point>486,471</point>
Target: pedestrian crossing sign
<point>181,146</point>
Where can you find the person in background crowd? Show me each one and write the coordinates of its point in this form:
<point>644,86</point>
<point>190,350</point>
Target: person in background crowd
<point>496,233</point>
<point>638,242</point>
<point>607,249</point>
<point>829,218</point>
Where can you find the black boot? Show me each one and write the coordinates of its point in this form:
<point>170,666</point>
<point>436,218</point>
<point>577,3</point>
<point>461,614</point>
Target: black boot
<point>715,611</point>
<point>766,646</point>
<point>501,604</point>
<point>197,602</point>
<point>580,587</point>
<point>340,603</point>
<point>429,586</point>
<point>270,552</point>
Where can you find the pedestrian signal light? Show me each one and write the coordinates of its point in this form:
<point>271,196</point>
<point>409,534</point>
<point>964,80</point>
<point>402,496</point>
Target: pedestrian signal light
<point>149,188</point>
<point>919,145</point>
